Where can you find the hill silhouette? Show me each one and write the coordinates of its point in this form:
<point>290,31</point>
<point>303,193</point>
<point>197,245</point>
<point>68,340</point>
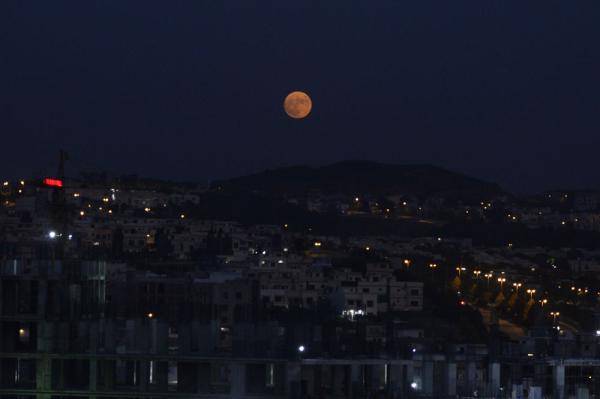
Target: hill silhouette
<point>363,177</point>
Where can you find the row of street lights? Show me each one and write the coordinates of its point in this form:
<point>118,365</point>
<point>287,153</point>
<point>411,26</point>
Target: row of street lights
<point>517,285</point>
<point>501,280</point>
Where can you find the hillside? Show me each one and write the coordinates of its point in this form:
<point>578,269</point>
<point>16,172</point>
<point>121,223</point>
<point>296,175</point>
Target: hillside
<point>358,177</point>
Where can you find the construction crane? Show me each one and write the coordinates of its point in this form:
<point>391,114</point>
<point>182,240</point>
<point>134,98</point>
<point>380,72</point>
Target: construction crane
<point>58,205</point>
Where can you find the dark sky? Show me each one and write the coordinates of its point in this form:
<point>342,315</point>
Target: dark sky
<point>504,90</point>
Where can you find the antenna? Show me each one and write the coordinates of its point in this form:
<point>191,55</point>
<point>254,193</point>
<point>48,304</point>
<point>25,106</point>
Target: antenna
<point>62,157</point>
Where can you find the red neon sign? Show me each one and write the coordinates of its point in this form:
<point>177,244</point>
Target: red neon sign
<point>53,182</point>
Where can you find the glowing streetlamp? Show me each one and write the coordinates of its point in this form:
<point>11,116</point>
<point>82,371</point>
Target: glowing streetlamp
<point>488,276</point>
<point>531,292</point>
<point>554,316</point>
<point>501,280</point>
<point>476,273</point>
<point>517,286</point>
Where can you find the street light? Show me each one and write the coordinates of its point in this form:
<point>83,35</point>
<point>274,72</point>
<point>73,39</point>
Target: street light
<point>543,301</point>
<point>517,286</point>
<point>501,280</point>
<point>301,348</point>
<point>531,292</point>
<point>488,276</point>
<point>477,273</point>
<point>554,316</point>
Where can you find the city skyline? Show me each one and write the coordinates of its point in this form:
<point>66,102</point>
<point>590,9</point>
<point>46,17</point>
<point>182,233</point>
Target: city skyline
<point>311,199</point>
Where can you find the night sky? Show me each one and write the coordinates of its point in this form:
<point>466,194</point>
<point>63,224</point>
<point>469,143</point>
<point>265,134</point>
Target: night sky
<point>503,90</point>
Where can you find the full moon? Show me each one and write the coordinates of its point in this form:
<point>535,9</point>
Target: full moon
<point>297,105</point>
